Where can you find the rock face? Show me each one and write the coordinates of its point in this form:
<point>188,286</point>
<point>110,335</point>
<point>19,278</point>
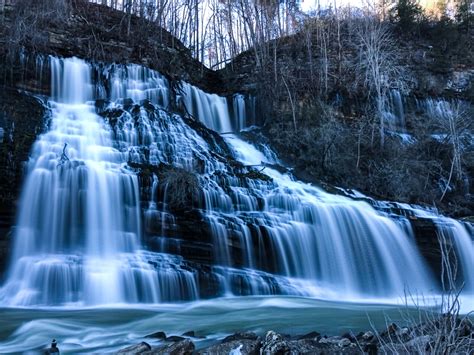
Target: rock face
<point>22,118</point>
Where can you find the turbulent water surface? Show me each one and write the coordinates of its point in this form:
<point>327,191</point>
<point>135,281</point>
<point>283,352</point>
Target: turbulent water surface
<point>109,329</point>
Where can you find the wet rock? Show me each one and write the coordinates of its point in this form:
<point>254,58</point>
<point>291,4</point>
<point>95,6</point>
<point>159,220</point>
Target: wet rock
<point>242,346</point>
<point>311,335</point>
<point>175,338</point>
<point>189,334</point>
<point>307,346</point>
<point>241,336</point>
<point>330,340</point>
<point>274,343</point>
<point>404,334</point>
<point>371,348</point>
<point>157,335</point>
<point>392,328</point>
<point>404,331</point>
<point>135,349</point>
<point>343,342</point>
<point>184,347</point>
<point>368,335</point>
<point>349,336</point>
<point>53,349</point>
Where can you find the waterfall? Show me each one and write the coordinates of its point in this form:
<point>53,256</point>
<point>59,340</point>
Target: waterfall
<point>460,237</point>
<point>78,233</point>
<point>243,108</point>
<point>211,109</point>
<point>395,116</point>
<point>341,243</point>
<point>94,200</point>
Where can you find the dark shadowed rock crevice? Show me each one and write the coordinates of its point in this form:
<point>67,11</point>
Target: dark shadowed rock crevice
<point>22,118</point>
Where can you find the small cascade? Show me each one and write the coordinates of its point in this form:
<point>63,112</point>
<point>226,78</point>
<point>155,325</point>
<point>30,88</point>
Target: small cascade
<point>243,110</point>
<point>395,116</point>
<point>442,114</point>
<point>210,109</point>
<point>137,83</point>
<point>240,113</point>
<point>461,237</point>
<point>435,108</point>
<point>98,192</point>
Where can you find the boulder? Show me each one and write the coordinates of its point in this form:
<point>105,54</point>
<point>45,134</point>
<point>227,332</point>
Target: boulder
<point>368,335</point>
<point>53,349</point>
<point>157,335</point>
<point>334,340</point>
<point>274,343</point>
<point>242,346</point>
<point>240,336</point>
<point>135,349</point>
<point>311,335</point>
<point>183,347</point>
<point>174,338</point>
<point>343,343</point>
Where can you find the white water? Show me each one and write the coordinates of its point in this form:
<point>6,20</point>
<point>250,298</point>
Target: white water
<point>78,236</point>
<point>343,244</point>
<point>212,109</point>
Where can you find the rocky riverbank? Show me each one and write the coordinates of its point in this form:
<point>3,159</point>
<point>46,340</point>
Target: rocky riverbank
<point>445,334</point>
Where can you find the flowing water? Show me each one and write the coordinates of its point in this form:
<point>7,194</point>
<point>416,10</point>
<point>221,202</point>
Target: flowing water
<point>78,241</point>
<point>103,330</point>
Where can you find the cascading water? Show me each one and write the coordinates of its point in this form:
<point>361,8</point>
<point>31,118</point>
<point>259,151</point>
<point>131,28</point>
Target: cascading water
<point>78,232</point>
<point>345,245</point>
<point>210,109</point>
<point>78,236</point>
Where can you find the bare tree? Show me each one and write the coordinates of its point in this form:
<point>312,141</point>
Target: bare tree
<point>453,120</point>
<point>378,65</point>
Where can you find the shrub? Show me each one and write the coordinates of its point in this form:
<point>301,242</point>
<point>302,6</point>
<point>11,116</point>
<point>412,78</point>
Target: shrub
<point>180,189</point>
